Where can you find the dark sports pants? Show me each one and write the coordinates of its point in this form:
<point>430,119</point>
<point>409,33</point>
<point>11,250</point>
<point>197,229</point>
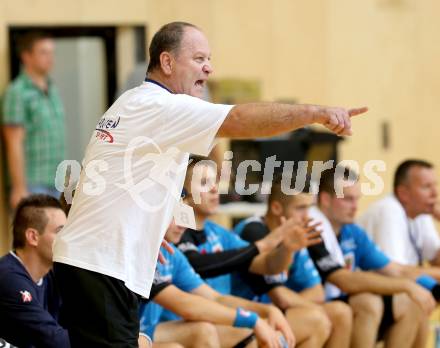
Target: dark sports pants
<point>98,311</point>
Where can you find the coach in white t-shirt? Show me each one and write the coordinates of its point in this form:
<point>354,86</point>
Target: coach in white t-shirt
<point>401,223</point>
<point>134,168</point>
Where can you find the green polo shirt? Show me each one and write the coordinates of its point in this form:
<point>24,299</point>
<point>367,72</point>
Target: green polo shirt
<point>42,116</point>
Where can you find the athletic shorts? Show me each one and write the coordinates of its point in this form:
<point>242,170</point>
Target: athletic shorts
<point>97,310</point>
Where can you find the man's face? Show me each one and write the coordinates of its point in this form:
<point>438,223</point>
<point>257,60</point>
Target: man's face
<point>298,206</point>
<point>192,65</point>
<point>41,56</point>
<point>56,221</point>
<point>203,189</point>
<point>419,193</point>
<point>174,233</point>
<point>343,210</point>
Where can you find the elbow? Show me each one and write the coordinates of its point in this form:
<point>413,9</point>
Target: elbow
<point>282,303</point>
<point>345,280</point>
<point>348,288</point>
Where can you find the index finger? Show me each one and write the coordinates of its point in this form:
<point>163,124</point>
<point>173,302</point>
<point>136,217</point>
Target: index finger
<point>357,111</point>
<point>167,246</point>
<point>162,258</point>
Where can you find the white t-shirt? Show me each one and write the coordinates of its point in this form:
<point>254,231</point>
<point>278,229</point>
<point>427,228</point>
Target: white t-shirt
<point>132,177</point>
<point>404,240</point>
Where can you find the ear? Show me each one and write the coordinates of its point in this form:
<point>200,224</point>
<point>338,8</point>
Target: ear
<point>32,236</point>
<point>166,63</point>
<point>276,208</point>
<point>325,199</point>
<point>24,57</point>
<point>402,193</point>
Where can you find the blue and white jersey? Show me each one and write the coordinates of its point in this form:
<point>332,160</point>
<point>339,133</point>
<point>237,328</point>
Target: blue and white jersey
<point>359,251</point>
<point>176,271</point>
<point>302,273</point>
<point>213,239</point>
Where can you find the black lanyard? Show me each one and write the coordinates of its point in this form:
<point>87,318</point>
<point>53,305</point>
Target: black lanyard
<point>414,244</point>
<point>158,84</point>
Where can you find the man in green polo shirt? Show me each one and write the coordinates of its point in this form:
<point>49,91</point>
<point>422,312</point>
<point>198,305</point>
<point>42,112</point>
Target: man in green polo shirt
<point>33,122</point>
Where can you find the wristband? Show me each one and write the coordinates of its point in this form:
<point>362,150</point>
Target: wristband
<point>245,318</point>
<point>427,282</point>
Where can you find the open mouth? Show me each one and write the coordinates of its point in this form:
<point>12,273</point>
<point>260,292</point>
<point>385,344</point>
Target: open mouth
<point>200,83</point>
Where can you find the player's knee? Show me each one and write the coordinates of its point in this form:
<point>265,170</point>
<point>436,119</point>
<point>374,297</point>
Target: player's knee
<point>340,315</point>
<point>320,322</point>
<point>405,307</point>
<point>367,305</point>
<point>324,321</point>
<point>205,335</point>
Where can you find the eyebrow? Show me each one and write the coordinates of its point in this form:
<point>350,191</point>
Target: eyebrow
<point>203,54</point>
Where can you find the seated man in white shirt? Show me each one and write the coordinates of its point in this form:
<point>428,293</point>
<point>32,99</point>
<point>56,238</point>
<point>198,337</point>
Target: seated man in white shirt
<point>401,224</point>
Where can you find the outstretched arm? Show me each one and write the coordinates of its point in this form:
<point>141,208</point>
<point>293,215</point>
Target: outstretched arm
<point>268,119</point>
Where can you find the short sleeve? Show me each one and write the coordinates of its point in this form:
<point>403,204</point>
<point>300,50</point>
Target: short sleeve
<point>191,124</point>
<point>160,282</point>
<point>253,232</point>
<point>370,256</point>
<point>430,237</point>
<point>184,277</point>
<point>232,241</point>
<point>303,273</point>
<point>389,231</point>
<point>13,107</point>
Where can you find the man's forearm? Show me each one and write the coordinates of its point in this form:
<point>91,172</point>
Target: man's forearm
<point>196,308</point>
<point>268,119</point>
<point>436,260</point>
<point>234,302</point>
<point>272,262</point>
<point>224,262</point>
<point>265,119</point>
<point>356,282</point>
<point>431,271</point>
<point>15,158</point>
<point>284,298</point>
